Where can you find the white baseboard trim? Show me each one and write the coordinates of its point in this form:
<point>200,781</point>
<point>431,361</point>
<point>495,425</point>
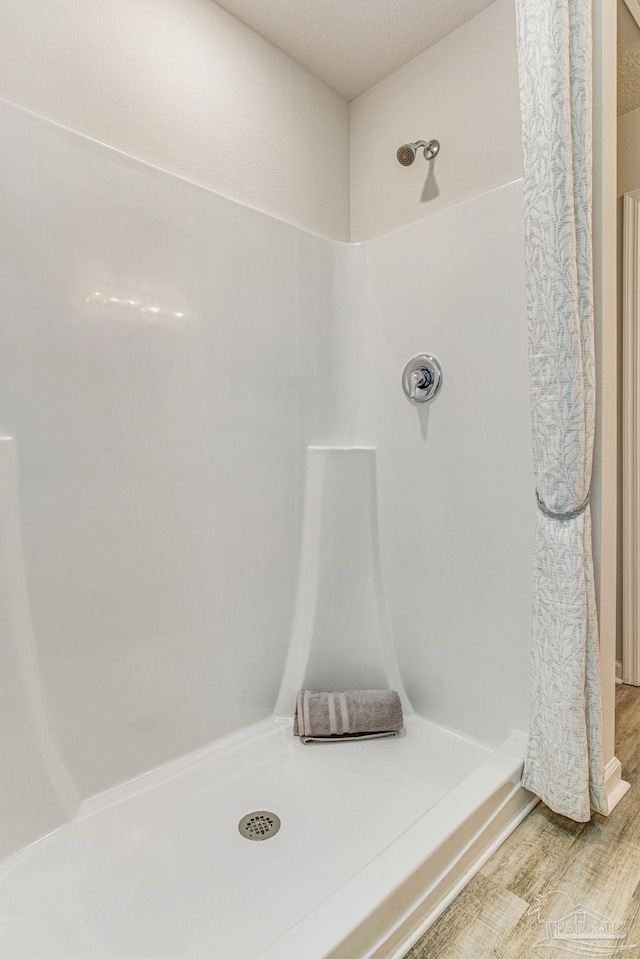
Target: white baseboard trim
<point>618,670</point>
<point>615,786</point>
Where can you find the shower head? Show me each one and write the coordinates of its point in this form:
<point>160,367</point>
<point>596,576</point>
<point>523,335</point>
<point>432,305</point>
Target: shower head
<point>407,152</point>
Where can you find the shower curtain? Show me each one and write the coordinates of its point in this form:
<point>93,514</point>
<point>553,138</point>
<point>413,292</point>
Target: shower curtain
<point>564,764</point>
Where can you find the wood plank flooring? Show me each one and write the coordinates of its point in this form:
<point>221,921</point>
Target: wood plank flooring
<point>548,866</point>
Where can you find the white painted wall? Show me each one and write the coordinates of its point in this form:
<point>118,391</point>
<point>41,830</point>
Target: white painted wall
<point>462,91</point>
<point>188,88</point>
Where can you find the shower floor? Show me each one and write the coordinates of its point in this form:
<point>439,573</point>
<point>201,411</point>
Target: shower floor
<point>157,869</point>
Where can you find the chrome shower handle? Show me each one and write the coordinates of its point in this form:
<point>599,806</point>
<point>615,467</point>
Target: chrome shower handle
<point>422,378</point>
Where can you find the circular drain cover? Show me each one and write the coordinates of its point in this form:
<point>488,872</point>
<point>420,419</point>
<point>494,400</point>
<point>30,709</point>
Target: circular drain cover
<point>259,825</point>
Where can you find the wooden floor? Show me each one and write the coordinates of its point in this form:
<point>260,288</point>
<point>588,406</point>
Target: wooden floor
<point>546,868</point>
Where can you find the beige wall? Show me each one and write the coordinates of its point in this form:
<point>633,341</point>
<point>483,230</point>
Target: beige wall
<point>188,88</point>
<point>629,152</point>
<point>604,487</point>
<point>462,91</point>
<point>628,180</point>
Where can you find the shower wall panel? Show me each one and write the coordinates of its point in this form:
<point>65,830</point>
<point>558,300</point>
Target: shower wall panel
<point>166,358</point>
<point>164,363</point>
<point>36,795</point>
<point>456,502</point>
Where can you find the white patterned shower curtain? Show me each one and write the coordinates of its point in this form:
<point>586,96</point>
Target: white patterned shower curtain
<point>564,764</point>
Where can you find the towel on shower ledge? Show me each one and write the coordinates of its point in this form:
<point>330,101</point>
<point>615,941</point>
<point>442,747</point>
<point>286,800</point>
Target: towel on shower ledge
<point>354,714</point>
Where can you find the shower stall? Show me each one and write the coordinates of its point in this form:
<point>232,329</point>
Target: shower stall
<point>214,492</point>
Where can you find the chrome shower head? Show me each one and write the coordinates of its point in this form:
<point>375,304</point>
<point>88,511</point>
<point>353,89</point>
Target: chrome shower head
<point>407,152</point>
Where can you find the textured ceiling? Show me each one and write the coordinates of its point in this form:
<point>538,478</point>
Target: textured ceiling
<point>628,60</point>
<point>351,44</point>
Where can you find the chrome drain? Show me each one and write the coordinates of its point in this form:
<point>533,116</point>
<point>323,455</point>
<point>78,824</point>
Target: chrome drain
<point>259,825</point>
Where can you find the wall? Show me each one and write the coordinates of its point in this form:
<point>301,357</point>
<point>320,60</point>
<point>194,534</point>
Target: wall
<point>37,796</point>
<point>165,355</point>
<point>457,514</point>
<point>605,454</point>
<point>462,91</point>
<point>629,152</point>
<point>444,532</point>
<point>188,88</point>
<point>164,375</point>
<point>628,179</point>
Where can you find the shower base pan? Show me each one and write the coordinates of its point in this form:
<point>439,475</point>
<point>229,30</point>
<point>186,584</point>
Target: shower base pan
<point>376,838</point>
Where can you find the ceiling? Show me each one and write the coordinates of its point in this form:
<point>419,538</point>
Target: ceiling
<point>351,44</point>
<point>628,60</point>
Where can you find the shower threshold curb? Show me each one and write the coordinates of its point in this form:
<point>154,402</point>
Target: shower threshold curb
<point>383,910</point>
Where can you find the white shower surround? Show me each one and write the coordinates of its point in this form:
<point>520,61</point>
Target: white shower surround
<point>162,377</point>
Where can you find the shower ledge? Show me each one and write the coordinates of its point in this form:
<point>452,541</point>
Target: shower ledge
<point>376,838</point>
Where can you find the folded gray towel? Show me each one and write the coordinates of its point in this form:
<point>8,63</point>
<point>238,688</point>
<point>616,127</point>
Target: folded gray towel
<point>355,714</point>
